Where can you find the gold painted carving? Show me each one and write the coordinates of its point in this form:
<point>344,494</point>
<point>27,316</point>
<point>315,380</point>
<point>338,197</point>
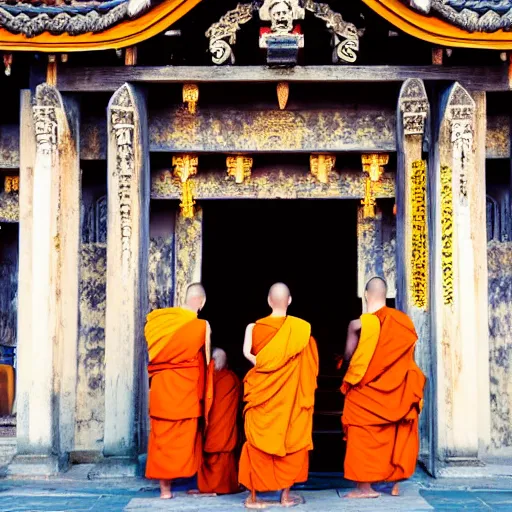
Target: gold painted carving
<point>185,166</point>
<point>239,167</point>
<point>191,97</point>
<point>373,164</point>
<point>447,234</point>
<point>321,166</point>
<point>11,184</point>
<point>283,91</point>
<point>419,247</point>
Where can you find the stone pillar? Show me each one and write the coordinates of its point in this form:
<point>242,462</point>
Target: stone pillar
<point>188,235</point>
<point>127,288</point>
<point>48,347</point>
<point>412,237</point>
<point>457,199</point>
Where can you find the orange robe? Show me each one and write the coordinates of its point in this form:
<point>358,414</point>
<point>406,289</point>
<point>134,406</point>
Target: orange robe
<point>219,472</point>
<point>384,396</point>
<point>279,396</point>
<point>176,339</point>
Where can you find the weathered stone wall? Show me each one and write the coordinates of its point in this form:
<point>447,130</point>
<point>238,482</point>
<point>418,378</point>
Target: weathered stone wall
<point>90,414</point>
<point>8,284</point>
<point>500,341</point>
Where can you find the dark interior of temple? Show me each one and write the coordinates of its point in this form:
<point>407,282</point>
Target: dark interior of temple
<point>309,245</point>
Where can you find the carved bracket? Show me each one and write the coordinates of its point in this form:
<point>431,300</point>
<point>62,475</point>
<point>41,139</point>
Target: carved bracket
<point>185,166</point>
<point>321,166</point>
<point>239,167</point>
<point>373,166</point>
<point>191,97</point>
<point>11,184</point>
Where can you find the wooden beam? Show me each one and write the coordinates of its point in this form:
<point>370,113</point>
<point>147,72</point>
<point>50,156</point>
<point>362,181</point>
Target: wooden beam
<point>489,78</point>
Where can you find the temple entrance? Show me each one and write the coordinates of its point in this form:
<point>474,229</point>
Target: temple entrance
<point>312,247</point>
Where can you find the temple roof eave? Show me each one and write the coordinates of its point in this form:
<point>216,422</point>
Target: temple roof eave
<point>435,30</point>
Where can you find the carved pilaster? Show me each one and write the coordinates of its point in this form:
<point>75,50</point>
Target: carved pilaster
<point>373,166</point>
<point>321,166</point>
<point>239,167</point>
<point>127,292</point>
<point>413,105</point>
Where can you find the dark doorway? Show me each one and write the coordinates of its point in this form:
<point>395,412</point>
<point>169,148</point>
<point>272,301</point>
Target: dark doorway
<point>311,245</point>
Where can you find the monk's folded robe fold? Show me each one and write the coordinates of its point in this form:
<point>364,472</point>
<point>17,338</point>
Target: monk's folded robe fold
<point>383,390</point>
<point>219,469</point>
<point>176,339</point>
<point>279,393</point>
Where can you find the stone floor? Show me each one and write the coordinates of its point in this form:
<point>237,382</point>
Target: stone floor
<point>73,492</point>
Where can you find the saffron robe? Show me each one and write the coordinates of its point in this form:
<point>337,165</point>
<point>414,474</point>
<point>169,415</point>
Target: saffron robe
<point>219,469</point>
<point>383,391</point>
<point>279,393</point>
<point>176,339</point>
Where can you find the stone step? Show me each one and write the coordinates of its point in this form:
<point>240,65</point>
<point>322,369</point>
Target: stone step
<point>7,450</point>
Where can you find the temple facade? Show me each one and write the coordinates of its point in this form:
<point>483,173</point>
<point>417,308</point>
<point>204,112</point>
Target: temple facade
<point>146,145</point>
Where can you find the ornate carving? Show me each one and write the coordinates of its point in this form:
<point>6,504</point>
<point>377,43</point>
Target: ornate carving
<point>321,166</point>
<point>239,167</point>
<point>373,164</point>
<point>461,110</point>
<point>471,15</point>
<point>11,184</point>
<point>447,234</point>
<point>414,106</point>
<point>283,91</point>
<point>45,118</point>
<point>191,97</point>
<point>345,35</point>
<point>185,166</point>
<point>369,201</point>
<point>122,113</point>
<point>222,34</point>
<point>419,254</point>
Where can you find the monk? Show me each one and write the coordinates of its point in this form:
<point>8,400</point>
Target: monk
<point>218,473</point>
<point>383,390</point>
<point>179,346</point>
<point>279,393</point>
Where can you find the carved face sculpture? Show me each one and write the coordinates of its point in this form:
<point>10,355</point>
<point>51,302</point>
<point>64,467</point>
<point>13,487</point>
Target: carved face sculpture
<point>281,17</point>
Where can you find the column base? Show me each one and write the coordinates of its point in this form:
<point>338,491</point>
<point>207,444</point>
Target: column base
<point>115,467</point>
<point>36,466</point>
<point>462,467</point>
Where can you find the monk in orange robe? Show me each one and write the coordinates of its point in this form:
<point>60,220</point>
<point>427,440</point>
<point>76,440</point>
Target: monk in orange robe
<point>279,393</point>
<point>218,473</point>
<point>179,346</point>
<point>383,390</point>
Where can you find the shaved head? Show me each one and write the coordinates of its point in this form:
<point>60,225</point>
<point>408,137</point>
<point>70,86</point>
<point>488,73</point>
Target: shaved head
<point>279,296</point>
<point>376,288</point>
<point>195,296</point>
<point>220,359</point>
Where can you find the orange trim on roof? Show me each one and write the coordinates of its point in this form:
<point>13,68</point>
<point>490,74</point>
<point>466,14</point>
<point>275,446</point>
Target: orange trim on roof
<point>435,30</point>
<point>127,33</point>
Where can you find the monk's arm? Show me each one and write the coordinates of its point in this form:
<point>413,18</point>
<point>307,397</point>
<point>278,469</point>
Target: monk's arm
<point>248,344</point>
<point>354,329</point>
<point>208,343</point>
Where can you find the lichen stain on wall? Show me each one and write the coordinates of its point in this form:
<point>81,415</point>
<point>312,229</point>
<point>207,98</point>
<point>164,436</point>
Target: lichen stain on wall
<point>90,415</point>
<point>161,290</point>
<point>500,341</point>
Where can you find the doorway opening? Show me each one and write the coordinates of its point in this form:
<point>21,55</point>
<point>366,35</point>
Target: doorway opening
<point>311,245</point>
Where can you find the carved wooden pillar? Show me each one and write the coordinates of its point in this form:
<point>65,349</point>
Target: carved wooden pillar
<point>188,233</point>
<point>127,290</point>
<point>412,236</point>
<point>455,180</point>
<point>48,347</point>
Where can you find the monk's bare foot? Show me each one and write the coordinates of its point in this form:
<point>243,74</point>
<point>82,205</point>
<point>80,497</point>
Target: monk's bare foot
<point>193,491</point>
<point>395,491</point>
<point>165,490</point>
<point>251,502</point>
<point>363,491</point>
<point>291,500</point>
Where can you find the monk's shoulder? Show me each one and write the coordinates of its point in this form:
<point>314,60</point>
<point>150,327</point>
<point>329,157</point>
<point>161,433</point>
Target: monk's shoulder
<point>399,317</point>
